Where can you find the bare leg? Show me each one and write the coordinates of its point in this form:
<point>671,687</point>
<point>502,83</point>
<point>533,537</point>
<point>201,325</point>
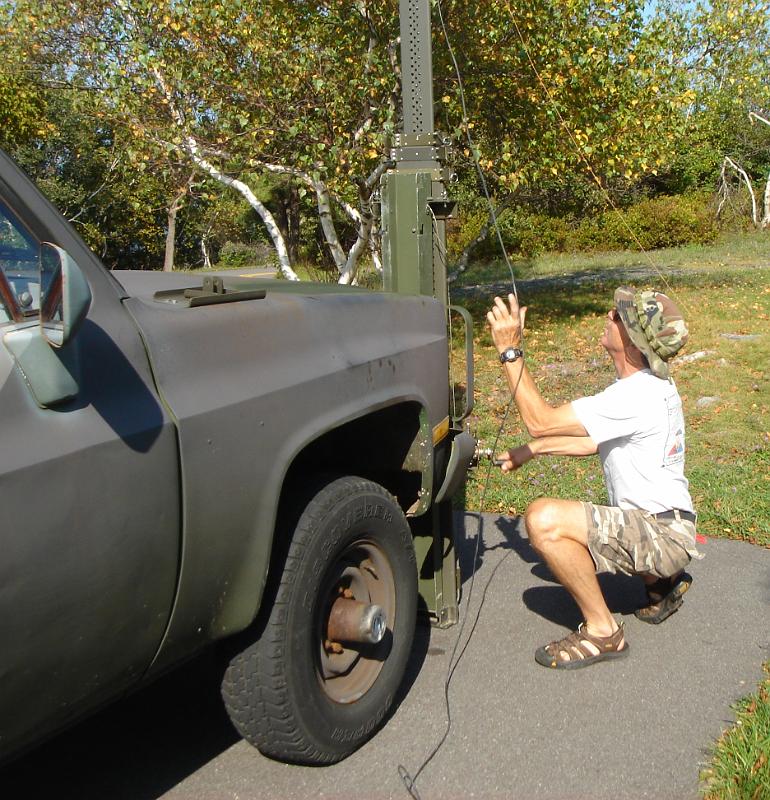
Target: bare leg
<point>557,530</point>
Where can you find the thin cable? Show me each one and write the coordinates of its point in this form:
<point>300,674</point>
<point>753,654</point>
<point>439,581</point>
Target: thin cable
<point>409,781</point>
<point>472,148</point>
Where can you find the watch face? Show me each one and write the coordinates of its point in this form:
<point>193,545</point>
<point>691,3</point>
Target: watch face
<point>510,354</point>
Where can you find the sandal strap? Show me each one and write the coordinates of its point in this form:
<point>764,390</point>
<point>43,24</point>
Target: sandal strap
<point>658,590</point>
<point>574,644</point>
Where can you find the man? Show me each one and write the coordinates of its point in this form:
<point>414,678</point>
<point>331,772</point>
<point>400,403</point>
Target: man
<point>636,426</point>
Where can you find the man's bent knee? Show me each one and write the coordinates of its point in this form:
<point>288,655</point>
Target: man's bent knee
<point>549,520</point>
<point>542,522</point>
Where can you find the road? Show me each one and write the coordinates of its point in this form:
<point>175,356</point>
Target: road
<point>626,730</point>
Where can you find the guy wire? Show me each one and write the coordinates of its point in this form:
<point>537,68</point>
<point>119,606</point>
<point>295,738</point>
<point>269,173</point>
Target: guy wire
<point>581,155</point>
<point>411,782</point>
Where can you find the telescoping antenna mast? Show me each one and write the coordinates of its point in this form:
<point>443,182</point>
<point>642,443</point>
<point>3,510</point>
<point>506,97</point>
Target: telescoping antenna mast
<point>415,203</point>
<point>415,207</point>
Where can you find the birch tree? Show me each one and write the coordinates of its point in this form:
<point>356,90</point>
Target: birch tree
<point>238,87</point>
<point>731,170</point>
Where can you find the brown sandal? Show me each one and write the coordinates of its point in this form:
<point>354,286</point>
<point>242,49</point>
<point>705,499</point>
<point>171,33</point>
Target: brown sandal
<point>664,597</point>
<point>571,652</point>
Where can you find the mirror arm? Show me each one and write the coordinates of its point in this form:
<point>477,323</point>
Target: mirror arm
<point>48,379</point>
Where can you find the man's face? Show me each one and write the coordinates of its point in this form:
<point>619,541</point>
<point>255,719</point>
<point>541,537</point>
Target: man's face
<point>614,338</point>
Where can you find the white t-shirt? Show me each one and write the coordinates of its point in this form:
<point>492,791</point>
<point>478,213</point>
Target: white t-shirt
<point>638,424</point>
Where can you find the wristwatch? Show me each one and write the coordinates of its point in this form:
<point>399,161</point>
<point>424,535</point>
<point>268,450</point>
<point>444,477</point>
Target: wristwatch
<point>510,354</point>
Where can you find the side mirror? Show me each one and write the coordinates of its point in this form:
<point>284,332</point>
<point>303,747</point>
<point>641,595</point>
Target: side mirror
<point>64,295</point>
<point>65,298</point>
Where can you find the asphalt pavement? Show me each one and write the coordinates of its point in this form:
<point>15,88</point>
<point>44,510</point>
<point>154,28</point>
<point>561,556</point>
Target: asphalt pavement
<point>636,728</point>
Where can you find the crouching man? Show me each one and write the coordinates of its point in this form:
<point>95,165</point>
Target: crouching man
<point>637,428</point>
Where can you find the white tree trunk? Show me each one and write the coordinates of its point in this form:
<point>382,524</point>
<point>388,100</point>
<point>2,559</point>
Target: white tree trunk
<point>764,222</point>
<point>375,248</point>
<point>346,263</point>
<point>327,224</point>
<point>205,249</point>
<point>193,151</point>
<point>462,261</point>
<point>728,162</point>
<point>245,191</point>
<point>361,244</point>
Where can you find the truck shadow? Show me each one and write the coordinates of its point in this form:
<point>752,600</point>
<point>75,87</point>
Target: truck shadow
<point>136,749</point>
<point>144,745</point>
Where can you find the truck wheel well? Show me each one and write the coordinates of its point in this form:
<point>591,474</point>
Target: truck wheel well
<point>374,446</point>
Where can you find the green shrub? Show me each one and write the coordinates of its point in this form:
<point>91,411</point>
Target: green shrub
<point>533,234</point>
<point>651,224</point>
<point>462,230</point>
<point>235,255</point>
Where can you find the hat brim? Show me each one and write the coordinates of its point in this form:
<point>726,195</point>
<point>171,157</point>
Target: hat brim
<point>629,314</point>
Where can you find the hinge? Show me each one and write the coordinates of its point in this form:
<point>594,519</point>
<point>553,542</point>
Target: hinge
<point>210,293</point>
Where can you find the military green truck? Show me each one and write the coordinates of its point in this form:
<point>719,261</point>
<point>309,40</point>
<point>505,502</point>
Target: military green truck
<point>190,459</point>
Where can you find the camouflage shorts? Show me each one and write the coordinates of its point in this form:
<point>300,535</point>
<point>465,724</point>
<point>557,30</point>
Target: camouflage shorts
<point>635,542</point>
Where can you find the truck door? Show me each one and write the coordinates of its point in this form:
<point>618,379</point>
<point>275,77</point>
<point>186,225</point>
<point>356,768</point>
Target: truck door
<point>89,495</point>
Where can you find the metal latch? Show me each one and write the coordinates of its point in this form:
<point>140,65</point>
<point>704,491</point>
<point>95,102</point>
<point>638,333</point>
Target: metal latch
<point>210,293</point>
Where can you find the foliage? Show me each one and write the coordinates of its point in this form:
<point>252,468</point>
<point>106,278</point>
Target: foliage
<point>236,255</point>
<point>554,88</point>
<point>247,86</point>
<point>651,224</point>
<point>722,48</point>
<point>740,764</point>
<point>22,103</point>
<point>534,234</point>
<point>565,101</point>
<point>82,171</point>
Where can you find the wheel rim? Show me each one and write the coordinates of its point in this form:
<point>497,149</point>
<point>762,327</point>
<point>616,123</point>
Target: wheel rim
<point>360,572</point>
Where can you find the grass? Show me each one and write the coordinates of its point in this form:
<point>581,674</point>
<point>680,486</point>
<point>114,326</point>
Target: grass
<point>724,291</point>
<point>732,250</point>
<point>726,393</point>
<point>740,766</point>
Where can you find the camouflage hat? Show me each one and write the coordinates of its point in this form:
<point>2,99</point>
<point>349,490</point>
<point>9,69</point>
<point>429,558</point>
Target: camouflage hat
<point>654,324</point>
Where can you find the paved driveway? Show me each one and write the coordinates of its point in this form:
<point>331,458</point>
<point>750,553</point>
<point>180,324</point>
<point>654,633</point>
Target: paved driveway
<point>636,728</point>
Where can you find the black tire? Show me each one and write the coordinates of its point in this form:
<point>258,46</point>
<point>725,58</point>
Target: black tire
<point>287,692</point>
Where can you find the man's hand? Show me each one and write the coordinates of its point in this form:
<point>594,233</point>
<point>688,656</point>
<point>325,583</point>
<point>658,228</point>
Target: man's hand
<point>513,459</point>
<point>506,322</point>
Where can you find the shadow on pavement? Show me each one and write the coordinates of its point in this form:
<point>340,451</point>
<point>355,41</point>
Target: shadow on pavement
<point>471,551</point>
<point>623,593</point>
<point>144,745</point>
<point>137,749</point>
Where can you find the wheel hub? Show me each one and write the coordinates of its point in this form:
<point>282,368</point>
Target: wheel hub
<point>357,618</point>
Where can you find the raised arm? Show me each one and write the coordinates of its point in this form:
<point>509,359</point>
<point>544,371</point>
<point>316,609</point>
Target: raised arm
<point>506,322</point>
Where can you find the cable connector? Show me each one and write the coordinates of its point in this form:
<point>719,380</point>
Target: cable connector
<point>487,453</point>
